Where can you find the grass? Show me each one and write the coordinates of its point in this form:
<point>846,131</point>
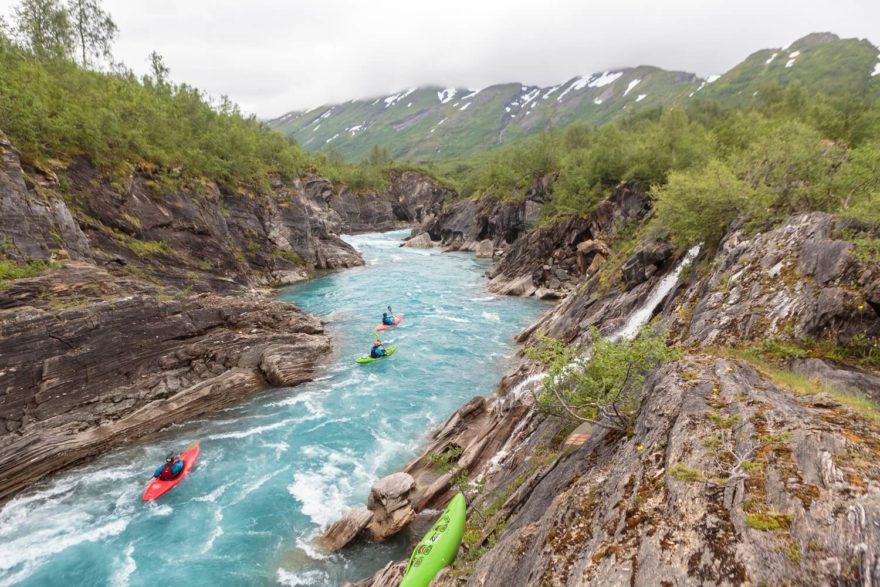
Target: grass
<point>768,521</point>
<point>10,270</point>
<point>687,474</point>
<point>723,421</point>
<point>801,385</point>
<point>146,248</point>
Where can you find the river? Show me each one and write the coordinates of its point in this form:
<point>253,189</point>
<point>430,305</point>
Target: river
<point>277,467</point>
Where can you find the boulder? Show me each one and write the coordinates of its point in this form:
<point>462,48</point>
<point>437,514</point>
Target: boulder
<point>419,241</point>
<point>544,293</point>
<point>590,246</point>
<point>346,529</point>
<point>391,504</point>
<point>484,249</point>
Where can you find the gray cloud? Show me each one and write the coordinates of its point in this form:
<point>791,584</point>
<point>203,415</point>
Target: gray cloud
<point>271,57</point>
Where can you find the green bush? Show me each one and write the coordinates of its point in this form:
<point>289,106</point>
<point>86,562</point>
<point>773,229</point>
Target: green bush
<point>606,385</point>
<point>698,204</point>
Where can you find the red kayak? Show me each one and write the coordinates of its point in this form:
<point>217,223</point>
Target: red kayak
<point>157,487</point>
<point>397,320</point>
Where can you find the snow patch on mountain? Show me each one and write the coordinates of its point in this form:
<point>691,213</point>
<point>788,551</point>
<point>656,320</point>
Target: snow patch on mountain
<point>641,97</point>
<point>446,95</point>
<point>772,57</point>
<point>608,77</point>
<point>631,85</point>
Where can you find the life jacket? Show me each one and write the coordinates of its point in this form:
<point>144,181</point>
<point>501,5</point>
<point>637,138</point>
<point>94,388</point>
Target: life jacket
<point>377,352</point>
<point>388,320</point>
<point>167,473</point>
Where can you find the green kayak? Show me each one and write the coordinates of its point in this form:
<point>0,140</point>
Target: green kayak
<point>439,546</point>
<point>388,353</point>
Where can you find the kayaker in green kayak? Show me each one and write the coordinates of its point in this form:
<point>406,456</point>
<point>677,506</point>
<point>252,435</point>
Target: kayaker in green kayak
<point>378,351</point>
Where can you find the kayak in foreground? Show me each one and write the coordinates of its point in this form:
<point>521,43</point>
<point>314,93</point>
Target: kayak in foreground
<point>388,353</point>
<point>397,320</point>
<point>439,546</point>
<point>157,487</point>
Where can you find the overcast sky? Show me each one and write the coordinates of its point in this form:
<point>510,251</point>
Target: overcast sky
<point>272,57</point>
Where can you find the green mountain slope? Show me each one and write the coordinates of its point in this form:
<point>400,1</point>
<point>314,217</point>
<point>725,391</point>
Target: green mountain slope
<point>439,123</point>
<point>434,123</point>
<point>820,62</point>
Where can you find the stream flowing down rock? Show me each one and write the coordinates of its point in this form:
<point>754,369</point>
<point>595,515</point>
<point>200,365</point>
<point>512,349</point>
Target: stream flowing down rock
<point>391,504</point>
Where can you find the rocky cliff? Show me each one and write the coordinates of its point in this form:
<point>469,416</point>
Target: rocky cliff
<point>739,469</point>
<point>137,308</point>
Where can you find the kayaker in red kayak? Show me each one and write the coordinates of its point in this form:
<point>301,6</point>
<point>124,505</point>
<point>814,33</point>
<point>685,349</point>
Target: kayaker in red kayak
<point>387,320</point>
<point>172,468</point>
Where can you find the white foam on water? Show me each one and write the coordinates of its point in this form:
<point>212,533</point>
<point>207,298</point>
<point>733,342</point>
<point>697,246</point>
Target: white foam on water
<point>30,550</point>
<point>239,434</point>
<point>214,495</point>
<point>306,544</point>
<point>291,579</point>
<point>280,448</point>
<point>216,533</point>
<point>323,493</point>
<point>251,487</point>
<point>491,316</point>
<point>125,568</point>
<point>161,510</point>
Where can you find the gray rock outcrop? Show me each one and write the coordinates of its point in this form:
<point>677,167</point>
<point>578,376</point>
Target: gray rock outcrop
<point>391,505</point>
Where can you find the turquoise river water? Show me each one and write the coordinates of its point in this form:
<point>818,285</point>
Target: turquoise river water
<point>277,467</point>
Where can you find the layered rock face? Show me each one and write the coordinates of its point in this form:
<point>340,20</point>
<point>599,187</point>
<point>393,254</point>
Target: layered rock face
<point>90,360</point>
<point>551,260</point>
<point>487,223</point>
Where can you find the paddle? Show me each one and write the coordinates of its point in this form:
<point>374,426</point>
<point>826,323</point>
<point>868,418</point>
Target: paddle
<point>376,336</point>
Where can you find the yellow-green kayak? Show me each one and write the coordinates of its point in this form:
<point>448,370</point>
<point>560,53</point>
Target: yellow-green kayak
<point>439,546</point>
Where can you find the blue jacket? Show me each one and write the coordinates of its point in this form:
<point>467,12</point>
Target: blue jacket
<point>377,352</point>
<point>389,320</point>
<point>176,468</point>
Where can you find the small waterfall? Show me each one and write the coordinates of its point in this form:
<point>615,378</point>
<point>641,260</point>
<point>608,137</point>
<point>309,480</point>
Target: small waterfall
<point>629,330</point>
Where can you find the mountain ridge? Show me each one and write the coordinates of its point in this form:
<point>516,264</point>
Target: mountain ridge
<point>435,122</point>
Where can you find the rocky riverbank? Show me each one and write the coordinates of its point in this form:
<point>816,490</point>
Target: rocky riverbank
<point>137,303</point>
<point>738,470</point>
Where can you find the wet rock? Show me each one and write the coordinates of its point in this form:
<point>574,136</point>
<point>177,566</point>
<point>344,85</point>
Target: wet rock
<point>645,262</point>
<point>422,241</point>
<point>543,293</point>
<point>342,532</point>
<point>391,505</point>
